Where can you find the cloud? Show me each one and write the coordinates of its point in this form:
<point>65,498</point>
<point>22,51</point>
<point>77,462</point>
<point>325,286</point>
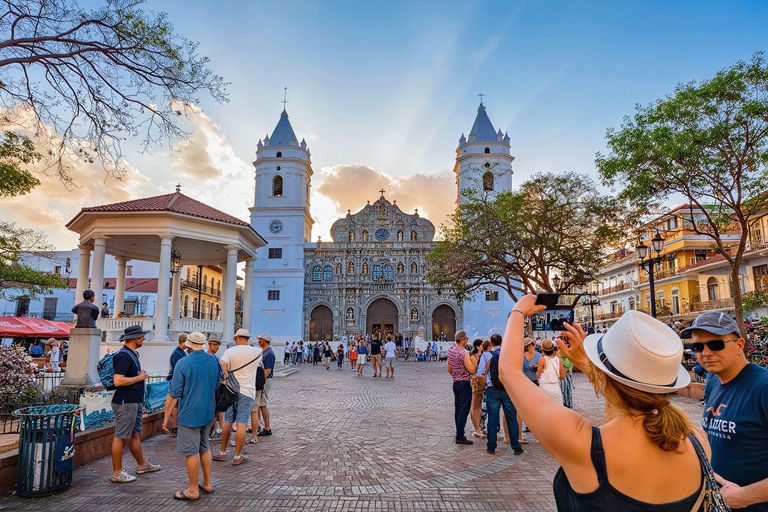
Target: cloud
<point>349,186</point>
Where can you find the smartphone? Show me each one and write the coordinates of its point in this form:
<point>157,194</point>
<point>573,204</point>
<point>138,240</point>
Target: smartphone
<point>549,300</point>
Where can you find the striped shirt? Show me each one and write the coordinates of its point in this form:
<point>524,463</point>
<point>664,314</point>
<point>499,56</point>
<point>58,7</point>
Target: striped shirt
<point>456,360</point>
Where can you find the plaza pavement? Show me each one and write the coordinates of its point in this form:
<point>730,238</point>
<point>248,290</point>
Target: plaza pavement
<point>344,443</point>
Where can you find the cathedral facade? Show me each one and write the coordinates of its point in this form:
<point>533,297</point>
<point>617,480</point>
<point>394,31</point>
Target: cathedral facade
<point>370,279</point>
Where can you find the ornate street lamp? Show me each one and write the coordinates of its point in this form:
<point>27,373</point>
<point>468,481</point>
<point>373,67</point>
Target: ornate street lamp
<point>175,261</point>
<point>590,299</point>
<point>648,261</point>
<point>556,281</point>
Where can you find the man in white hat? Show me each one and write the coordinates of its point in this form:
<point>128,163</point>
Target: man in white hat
<point>243,361</point>
<point>260,404</point>
<point>735,411</point>
<point>193,387</point>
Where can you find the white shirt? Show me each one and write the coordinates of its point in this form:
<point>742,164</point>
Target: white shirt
<point>54,355</point>
<point>389,348</point>
<point>236,357</point>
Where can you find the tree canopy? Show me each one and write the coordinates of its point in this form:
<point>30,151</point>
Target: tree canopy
<point>517,240</point>
<point>17,279</point>
<point>93,78</point>
<point>706,142</point>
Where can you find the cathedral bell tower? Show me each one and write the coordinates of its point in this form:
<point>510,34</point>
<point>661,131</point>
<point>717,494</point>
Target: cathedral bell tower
<point>281,215</point>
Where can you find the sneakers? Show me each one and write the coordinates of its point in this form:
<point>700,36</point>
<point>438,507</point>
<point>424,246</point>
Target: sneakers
<point>264,432</point>
<point>221,456</point>
<point>149,468</point>
<point>519,451</point>
<point>122,478</point>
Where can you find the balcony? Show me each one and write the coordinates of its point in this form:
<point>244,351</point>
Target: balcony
<point>712,305</point>
<point>208,290</point>
<point>658,274</point>
<point>615,288</point>
<point>52,315</point>
<point>608,316</point>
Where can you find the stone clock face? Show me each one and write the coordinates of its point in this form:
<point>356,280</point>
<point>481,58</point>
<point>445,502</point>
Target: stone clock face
<point>276,226</point>
<point>382,234</point>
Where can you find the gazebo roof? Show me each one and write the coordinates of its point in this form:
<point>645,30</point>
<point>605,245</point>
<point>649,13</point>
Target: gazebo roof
<point>176,202</point>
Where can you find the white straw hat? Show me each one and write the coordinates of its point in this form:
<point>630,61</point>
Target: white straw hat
<point>641,353</point>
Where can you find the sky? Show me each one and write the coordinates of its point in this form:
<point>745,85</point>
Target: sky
<point>382,92</point>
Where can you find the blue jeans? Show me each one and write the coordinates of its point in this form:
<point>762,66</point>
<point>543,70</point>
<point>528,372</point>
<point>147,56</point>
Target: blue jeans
<point>462,400</point>
<point>494,400</point>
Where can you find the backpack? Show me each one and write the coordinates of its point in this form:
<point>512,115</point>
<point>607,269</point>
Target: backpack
<point>228,391</point>
<point>106,369</point>
<point>261,379</point>
<point>493,368</point>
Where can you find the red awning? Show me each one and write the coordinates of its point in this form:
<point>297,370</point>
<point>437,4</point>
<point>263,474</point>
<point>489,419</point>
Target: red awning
<point>12,326</point>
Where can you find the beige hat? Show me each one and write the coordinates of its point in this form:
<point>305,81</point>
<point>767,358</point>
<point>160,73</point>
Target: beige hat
<point>547,345</point>
<point>214,338</point>
<point>641,353</point>
<point>242,333</point>
<point>195,340</point>
<point>528,342</point>
<point>265,337</point>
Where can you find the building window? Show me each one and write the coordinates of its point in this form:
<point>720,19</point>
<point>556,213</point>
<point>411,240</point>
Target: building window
<point>273,294</point>
<point>487,150</point>
<point>277,186</point>
<point>399,236</point>
<point>57,269</point>
<point>338,268</point>
<point>328,273</point>
<point>22,306</point>
<point>675,302</point>
<point>205,282</point>
<point>317,274</point>
<point>365,235</point>
<point>351,236</point>
<point>129,270</point>
<point>351,267</point>
<point>491,296</point>
<point>275,253</point>
<point>279,154</point>
<point>414,236</point>
<point>712,288</point>
<point>761,276</point>
<point>383,273</point>
<point>488,182</point>
<point>365,268</point>
<point>414,268</point>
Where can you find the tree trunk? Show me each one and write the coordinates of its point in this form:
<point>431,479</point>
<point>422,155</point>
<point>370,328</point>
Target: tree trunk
<point>737,305</point>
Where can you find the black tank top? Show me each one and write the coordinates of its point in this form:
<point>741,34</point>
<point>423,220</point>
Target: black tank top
<point>606,497</point>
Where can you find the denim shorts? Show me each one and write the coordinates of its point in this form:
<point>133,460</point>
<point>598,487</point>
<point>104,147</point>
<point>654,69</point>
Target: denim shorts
<point>240,412</point>
<point>193,440</point>
<point>127,419</point>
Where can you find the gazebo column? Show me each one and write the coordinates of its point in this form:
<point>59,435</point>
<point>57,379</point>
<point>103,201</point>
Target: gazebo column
<point>176,295</point>
<point>97,272</point>
<point>119,287</point>
<point>248,294</point>
<point>82,272</point>
<point>163,289</point>
<point>228,296</point>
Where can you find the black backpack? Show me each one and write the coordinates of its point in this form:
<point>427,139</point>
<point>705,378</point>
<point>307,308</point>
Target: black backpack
<point>493,368</point>
<point>261,379</point>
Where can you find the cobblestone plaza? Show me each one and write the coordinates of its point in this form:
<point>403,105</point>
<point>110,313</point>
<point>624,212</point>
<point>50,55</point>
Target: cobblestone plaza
<point>343,442</point>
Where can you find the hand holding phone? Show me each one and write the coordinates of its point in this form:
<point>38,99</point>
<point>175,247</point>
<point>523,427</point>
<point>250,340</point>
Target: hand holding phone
<point>549,300</point>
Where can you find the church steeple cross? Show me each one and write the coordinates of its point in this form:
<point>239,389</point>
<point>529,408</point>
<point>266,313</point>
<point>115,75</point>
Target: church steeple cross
<point>382,192</point>
<point>285,96</point>
<point>481,97</point>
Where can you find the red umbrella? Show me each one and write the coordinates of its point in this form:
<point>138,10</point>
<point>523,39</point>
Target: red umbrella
<point>11,326</point>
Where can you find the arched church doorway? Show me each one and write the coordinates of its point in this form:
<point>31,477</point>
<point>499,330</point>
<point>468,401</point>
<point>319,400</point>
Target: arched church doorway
<point>444,321</point>
<point>321,324</point>
<point>381,318</point>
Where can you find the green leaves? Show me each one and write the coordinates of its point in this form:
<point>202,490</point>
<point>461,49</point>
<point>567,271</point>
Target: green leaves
<point>18,279</point>
<point>15,151</point>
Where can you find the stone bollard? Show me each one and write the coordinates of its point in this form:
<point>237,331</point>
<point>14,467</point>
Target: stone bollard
<point>82,357</point>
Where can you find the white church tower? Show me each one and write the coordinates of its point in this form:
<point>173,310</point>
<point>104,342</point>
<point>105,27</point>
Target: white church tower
<point>483,161</point>
<point>281,214</point>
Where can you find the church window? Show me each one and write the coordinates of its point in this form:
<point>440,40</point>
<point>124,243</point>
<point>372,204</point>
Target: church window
<point>278,167</point>
<point>491,296</point>
<point>400,268</point>
<point>399,235</point>
<point>275,253</point>
<point>280,154</point>
<point>351,267</point>
<point>365,235</point>
<point>388,273</point>
<point>277,186</point>
<point>487,165</point>
<point>488,182</point>
<point>272,295</point>
<point>414,314</point>
<point>414,268</point>
<point>338,268</point>
<point>328,273</point>
<point>351,236</point>
<point>316,274</point>
<point>383,273</point>
<point>414,236</point>
<point>365,268</point>
<point>487,150</point>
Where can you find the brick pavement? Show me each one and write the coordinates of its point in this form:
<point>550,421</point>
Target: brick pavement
<point>344,443</point>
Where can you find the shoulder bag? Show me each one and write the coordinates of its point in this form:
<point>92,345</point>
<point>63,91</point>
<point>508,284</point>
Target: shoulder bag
<point>711,500</point>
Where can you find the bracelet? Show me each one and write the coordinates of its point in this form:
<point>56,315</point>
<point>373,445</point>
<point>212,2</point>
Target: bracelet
<point>518,311</point>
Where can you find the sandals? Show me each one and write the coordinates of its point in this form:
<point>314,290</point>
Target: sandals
<point>150,468</point>
<point>479,436</point>
<point>206,491</point>
<point>236,461</point>
<point>182,495</point>
<point>122,478</point>
<point>251,440</point>
<point>221,456</point>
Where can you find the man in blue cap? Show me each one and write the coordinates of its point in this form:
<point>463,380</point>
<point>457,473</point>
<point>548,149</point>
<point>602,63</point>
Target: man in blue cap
<point>735,411</point>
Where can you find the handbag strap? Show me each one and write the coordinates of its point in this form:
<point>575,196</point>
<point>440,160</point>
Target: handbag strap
<point>246,364</point>
<point>710,484</point>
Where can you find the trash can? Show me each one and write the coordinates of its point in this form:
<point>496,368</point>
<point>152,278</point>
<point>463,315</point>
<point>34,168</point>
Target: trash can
<point>46,448</point>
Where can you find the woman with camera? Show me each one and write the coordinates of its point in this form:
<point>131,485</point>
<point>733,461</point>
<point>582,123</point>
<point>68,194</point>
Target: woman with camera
<point>642,458</point>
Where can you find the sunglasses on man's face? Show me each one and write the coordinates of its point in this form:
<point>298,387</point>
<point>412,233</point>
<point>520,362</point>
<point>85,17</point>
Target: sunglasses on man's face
<point>713,345</point>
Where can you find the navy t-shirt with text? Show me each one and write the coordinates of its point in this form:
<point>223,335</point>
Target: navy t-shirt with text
<point>736,422</point>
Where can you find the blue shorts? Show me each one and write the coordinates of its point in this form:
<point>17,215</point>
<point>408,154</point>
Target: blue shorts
<point>240,412</point>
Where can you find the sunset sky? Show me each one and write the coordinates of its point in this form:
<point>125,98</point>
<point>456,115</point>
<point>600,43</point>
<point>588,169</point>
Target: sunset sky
<point>382,91</point>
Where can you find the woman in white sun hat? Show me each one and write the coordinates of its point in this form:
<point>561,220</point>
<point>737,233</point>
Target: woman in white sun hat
<point>641,458</point>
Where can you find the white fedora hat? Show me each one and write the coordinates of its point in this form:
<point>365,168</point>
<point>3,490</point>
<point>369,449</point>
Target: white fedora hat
<point>641,353</point>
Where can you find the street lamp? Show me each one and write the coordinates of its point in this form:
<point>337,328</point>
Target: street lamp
<point>175,261</point>
<point>556,281</point>
<point>590,299</point>
<point>647,262</point>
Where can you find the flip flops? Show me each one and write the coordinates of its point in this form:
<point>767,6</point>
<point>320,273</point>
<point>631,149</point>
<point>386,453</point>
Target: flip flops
<point>182,495</point>
<point>206,491</point>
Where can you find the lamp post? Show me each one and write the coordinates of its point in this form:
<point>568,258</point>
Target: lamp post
<point>643,252</point>
<point>591,301</point>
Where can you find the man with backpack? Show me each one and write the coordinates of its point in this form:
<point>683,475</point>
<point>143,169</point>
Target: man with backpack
<point>128,405</point>
<point>243,362</point>
<point>261,402</point>
<point>497,398</point>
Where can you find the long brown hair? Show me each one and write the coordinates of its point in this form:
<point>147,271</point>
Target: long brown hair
<point>665,424</point>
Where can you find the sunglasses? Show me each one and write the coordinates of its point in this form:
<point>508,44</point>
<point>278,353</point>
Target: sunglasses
<point>713,345</point>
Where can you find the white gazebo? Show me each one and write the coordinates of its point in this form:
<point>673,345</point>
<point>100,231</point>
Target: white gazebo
<point>174,230</point>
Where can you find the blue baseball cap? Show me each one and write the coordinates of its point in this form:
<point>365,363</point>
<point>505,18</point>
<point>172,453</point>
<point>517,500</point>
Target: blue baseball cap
<point>714,322</point>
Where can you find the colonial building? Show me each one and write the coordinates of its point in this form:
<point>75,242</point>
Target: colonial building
<point>370,277</point>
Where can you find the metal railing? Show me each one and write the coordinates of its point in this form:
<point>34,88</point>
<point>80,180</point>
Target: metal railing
<point>208,290</point>
<point>56,317</point>
<point>615,288</point>
<point>712,304</point>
